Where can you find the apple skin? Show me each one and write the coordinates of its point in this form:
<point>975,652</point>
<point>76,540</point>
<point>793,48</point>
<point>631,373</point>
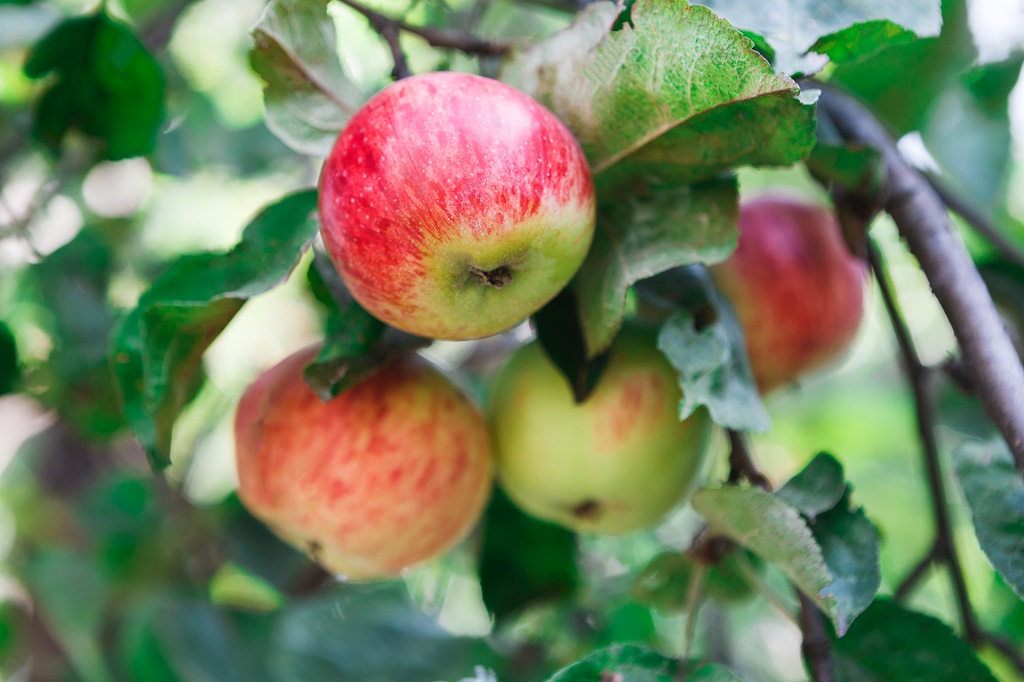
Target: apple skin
<point>455,206</point>
<point>393,471</point>
<point>797,290</point>
<point>617,462</point>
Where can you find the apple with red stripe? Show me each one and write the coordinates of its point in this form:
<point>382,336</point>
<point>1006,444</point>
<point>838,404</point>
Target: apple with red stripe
<point>393,471</point>
<point>797,290</point>
<point>455,206</point>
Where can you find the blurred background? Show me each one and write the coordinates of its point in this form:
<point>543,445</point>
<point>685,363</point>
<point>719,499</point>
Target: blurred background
<point>109,572</point>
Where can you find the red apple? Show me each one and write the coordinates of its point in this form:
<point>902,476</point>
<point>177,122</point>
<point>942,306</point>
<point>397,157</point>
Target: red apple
<point>455,206</point>
<point>393,471</point>
<point>615,463</point>
<point>796,288</point>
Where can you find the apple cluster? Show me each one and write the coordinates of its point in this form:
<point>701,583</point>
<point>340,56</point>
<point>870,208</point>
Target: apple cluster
<point>454,207</point>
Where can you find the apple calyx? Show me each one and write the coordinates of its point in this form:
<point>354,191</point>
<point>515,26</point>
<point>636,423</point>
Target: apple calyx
<point>499,277</point>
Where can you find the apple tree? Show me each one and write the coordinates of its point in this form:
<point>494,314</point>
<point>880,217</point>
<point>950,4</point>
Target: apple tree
<point>715,377</point>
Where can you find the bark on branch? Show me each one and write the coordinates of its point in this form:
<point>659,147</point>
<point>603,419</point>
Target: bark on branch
<point>926,227</point>
<point>437,37</point>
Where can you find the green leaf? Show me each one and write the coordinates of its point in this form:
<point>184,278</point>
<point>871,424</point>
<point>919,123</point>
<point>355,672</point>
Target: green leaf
<point>968,131</point>
<point>774,531</point>
<point>122,515</point>
<point>539,565</point>
<point>107,85</point>
<point>992,84</point>
<point>704,341</point>
<point>628,622</point>
<point>632,663</point>
<point>994,492</point>
<point>850,546</point>
<point>643,235</point>
<point>158,347</point>
<point>70,285</point>
<point>664,582</point>
<point>902,83</point>
<point>356,343</point>
<point>71,595</point>
<point>861,40</point>
<point>307,95</point>
<point>197,641</point>
<point>793,26</point>
<point>234,587</point>
<point>370,634</point>
<point>13,633</point>
<point>817,488</point>
<point>561,336</point>
<point>858,168</point>
<point>675,97</point>
<point>9,368</point>
<point>848,540</point>
<point>889,642</point>
<point>761,45</point>
<point>140,655</point>
<point>248,543</point>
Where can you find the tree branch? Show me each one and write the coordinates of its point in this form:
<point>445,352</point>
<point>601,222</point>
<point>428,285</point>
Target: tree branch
<point>438,37</point>
<point>816,648</point>
<point>924,223</point>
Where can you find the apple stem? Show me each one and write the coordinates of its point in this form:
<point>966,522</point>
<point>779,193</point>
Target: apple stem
<point>499,277</point>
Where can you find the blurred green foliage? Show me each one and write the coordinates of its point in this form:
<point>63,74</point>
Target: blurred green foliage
<point>114,573</point>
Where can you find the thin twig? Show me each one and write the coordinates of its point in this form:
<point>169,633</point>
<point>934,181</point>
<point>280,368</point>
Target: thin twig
<point>390,32</point>
<point>438,37</point>
<point>741,464</point>
<point>816,648</point>
<point>976,218</point>
<point>694,598</point>
<point>916,574</point>
<point>924,223</point>
<point>21,226</point>
<point>943,549</point>
<point>1005,647</point>
<point>921,382</point>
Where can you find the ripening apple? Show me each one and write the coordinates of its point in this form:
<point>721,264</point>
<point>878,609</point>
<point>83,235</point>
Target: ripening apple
<point>393,471</point>
<point>455,206</point>
<point>797,290</point>
<point>615,463</point>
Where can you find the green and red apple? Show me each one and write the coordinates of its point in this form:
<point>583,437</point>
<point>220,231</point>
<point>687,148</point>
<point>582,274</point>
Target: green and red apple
<point>797,290</point>
<point>393,471</point>
<point>455,206</point>
<point>615,463</point>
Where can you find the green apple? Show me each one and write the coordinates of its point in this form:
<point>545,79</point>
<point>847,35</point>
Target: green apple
<point>617,462</point>
<point>393,471</point>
